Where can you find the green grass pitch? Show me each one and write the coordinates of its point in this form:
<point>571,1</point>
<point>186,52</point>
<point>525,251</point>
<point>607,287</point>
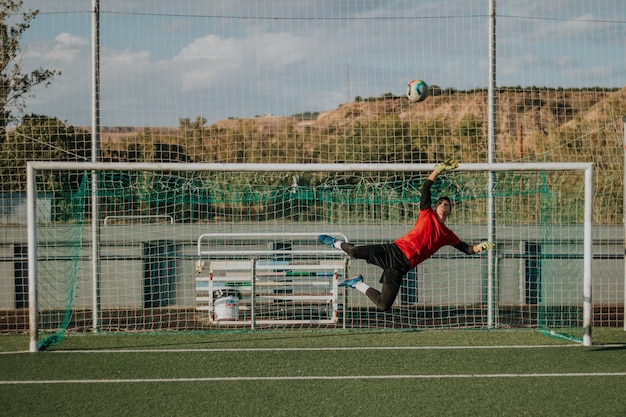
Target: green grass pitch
<point>317,373</point>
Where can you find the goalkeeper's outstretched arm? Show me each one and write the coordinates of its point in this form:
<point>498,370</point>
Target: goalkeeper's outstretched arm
<point>426,199</point>
<point>472,249</point>
<point>447,165</point>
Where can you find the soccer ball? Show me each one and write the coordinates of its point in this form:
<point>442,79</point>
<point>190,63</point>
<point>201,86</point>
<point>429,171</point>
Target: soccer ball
<point>416,91</point>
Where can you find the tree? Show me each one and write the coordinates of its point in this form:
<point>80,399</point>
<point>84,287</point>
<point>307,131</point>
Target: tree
<point>193,132</point>
<point>40,138</point>
<point>15,85</point>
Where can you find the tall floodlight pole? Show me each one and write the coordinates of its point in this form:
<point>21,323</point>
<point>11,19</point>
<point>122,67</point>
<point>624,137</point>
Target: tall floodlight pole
<point>624,218</point>
<point>95,157</point>
<point>491,122</point>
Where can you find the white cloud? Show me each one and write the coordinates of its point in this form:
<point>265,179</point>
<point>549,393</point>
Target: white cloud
<point>560,30</point>
<point>64,48</point>
<point>212,60</point>
<point>121,64</point>
<point>66,40</point>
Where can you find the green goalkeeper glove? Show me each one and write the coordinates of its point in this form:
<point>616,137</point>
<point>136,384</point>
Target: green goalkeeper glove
<point>447,165</point>
<point>484,246</point>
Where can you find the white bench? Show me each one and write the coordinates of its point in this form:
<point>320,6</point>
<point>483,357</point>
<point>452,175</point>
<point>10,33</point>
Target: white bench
<point>293,286</point>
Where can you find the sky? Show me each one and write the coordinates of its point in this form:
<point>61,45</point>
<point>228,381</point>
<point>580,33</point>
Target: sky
<point>161,61</point>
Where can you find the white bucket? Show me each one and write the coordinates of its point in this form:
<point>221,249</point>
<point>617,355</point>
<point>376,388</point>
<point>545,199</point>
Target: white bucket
<point>227,308</point>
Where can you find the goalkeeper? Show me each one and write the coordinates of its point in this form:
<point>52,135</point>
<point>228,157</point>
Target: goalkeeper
<point>396,259</point>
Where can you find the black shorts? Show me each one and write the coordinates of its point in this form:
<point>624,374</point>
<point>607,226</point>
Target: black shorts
<point>386,256</point>
<point>394,264</point>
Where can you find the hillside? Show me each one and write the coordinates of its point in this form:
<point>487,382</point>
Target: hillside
<point>532,116</point>
<point>538,110</point>
<point>536,117</point>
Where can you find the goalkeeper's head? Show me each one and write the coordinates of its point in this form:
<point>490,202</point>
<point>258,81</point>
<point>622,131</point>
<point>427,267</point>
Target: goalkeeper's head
<point>443,208</point>
<point>443,199</point>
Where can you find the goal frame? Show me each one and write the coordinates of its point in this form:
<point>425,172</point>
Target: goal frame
<point>32,166</point>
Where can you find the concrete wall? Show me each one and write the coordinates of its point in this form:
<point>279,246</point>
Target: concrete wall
<point>450,277</point>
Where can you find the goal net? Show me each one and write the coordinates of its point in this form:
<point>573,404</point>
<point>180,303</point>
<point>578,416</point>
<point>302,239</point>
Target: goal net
<point>209,247</point>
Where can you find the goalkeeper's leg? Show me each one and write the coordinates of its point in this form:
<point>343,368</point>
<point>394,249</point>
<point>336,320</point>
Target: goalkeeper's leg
<point>394,265</point>
<point>383,299</point>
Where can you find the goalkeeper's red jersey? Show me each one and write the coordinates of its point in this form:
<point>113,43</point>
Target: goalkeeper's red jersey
<point>427,236</point>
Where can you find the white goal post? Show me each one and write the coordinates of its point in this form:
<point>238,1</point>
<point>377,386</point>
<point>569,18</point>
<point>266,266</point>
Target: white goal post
<point>34,166</point>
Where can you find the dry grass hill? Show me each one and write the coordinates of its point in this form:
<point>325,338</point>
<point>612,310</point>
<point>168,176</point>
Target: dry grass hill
<point>539,117</point>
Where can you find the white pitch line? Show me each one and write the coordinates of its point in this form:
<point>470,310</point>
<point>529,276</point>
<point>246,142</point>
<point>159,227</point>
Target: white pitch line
<point>304,349</point>
<point>308,378</point>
